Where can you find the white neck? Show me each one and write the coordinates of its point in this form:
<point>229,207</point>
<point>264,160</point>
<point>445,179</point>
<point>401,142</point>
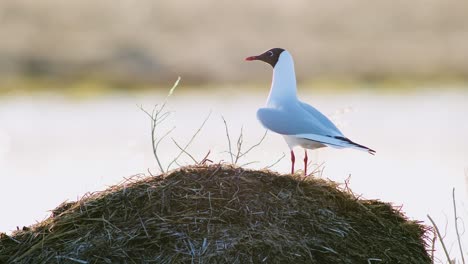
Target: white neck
<point>283,85</point>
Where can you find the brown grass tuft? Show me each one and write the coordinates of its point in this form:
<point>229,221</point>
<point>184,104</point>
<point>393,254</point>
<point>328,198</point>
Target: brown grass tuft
<point>220,214</point>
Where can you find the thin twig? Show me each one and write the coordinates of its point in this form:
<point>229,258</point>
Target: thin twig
<point>153,128</point>
<point>318,169</point>
<point>162,117</point>
<point>248,163</point>
<point>255,145</point>
<point>240,140</point>
<point>178,164</point>
<point>146,112</point>
<point>276,162</point>
<point>235,157</point>
<point>441,239</point>
<point>163,136</point>
<point>434,239</point>
<point>184,149</point>
<point>346,182</point>
<point>157,116</point>
<point>205,159</point>
<point>229,139</point>
<point>153,139</point>
<point>456,226</point>
<point>150,173</point>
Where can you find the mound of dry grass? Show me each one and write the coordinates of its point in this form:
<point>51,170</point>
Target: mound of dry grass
<point>220,214</point>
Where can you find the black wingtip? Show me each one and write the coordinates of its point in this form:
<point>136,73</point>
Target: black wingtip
<point>370,151</point>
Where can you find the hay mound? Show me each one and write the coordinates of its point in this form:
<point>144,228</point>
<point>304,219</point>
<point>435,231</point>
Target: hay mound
<point>220,214</point>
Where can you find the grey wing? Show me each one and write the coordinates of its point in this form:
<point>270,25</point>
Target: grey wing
<point>324,121</point>
<point>294,122</point>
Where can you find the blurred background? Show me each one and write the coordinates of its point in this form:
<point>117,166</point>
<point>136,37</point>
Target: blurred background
<point>156,41</point>
<point>393,75</point>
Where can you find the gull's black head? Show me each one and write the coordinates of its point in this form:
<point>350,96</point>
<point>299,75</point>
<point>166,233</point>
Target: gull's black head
<point>270,56</point>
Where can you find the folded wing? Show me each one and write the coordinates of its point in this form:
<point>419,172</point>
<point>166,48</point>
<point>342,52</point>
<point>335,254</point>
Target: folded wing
<point>296,121</point>
<point>308,123</point>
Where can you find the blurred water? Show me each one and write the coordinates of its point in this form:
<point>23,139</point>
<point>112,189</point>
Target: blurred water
<point>54,148</point>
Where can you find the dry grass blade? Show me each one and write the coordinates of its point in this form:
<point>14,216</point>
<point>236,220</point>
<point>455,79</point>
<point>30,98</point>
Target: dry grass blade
<point>239,153</point>
<point>251,147</point>
<point>460,247</point>
<point>184,149</point>
<point>447,255</point>
<point>276,162</point>
<point>228,139</point>
<point>240,141</point>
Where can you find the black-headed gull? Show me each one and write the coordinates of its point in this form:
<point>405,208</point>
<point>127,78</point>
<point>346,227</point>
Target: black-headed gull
<point>299,123</point>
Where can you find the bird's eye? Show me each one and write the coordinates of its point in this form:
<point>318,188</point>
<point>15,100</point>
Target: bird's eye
<point>271,53</point>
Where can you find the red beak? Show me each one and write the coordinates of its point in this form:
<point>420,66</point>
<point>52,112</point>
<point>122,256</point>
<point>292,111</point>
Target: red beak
<point>251,58</point>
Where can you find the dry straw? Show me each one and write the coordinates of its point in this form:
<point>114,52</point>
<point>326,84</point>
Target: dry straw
<point>220,214</point>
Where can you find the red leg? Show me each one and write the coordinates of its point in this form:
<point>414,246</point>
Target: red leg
<point>293,159</point>
<point>305,162</point>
